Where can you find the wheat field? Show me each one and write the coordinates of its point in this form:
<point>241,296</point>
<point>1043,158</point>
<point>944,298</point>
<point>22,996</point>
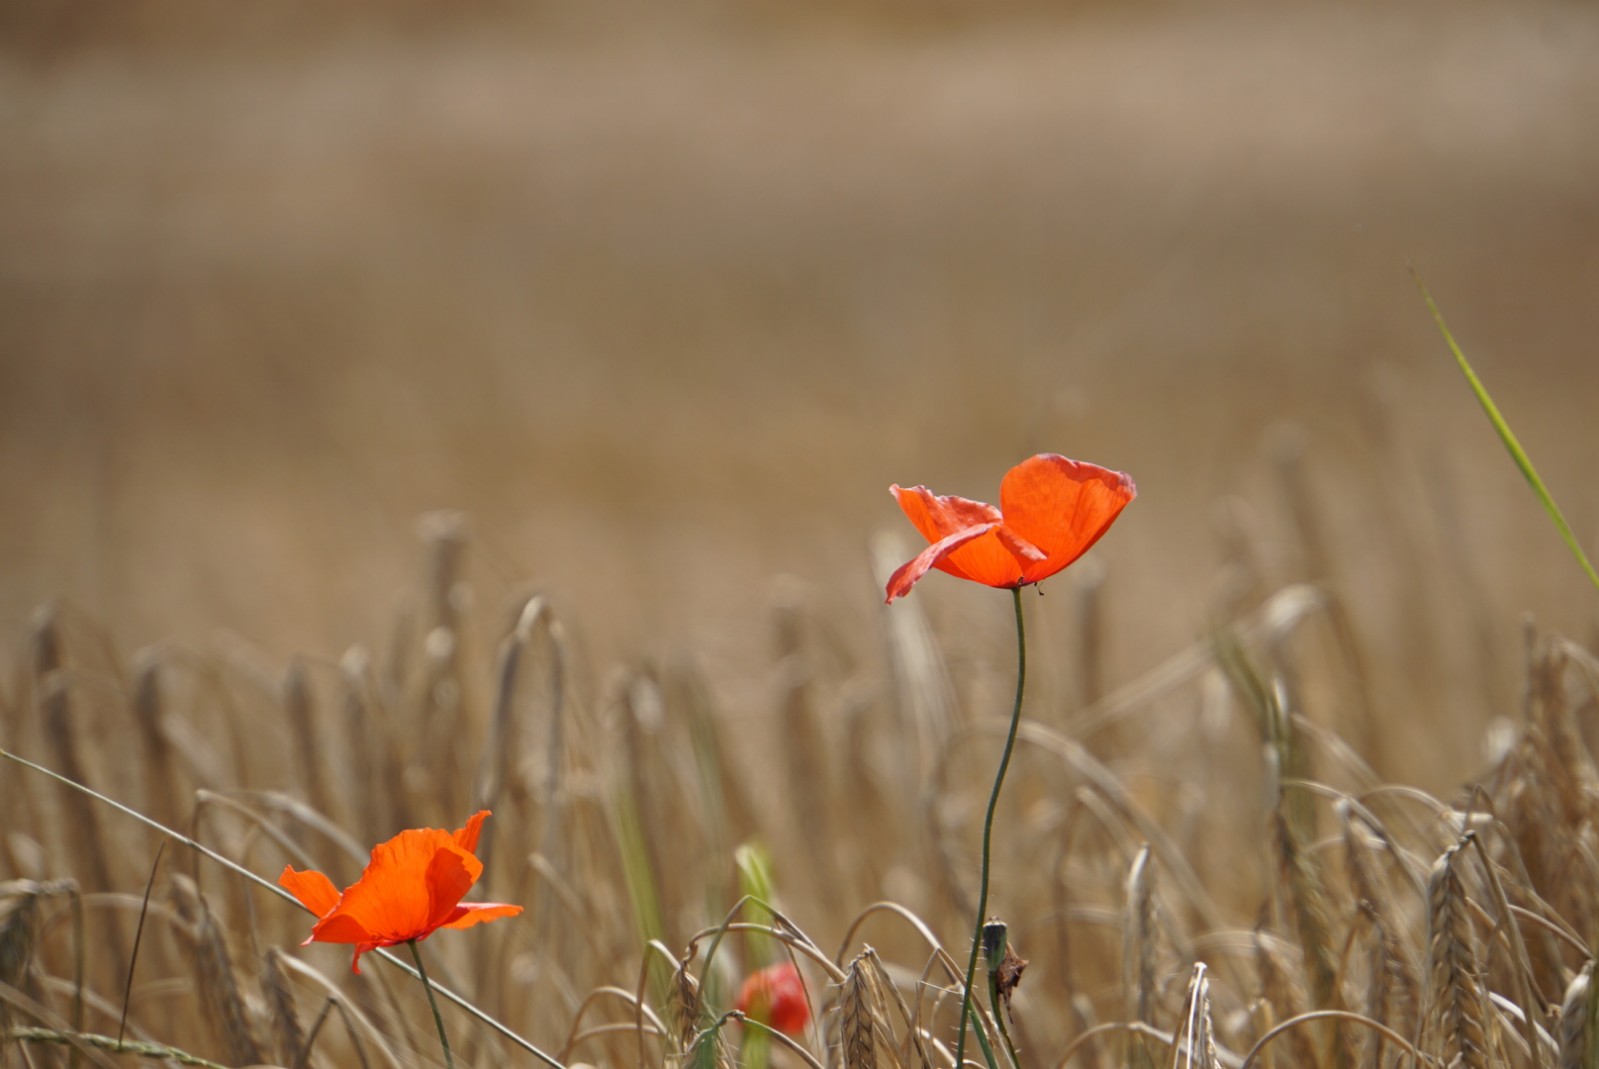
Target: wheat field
<point>405,413</point>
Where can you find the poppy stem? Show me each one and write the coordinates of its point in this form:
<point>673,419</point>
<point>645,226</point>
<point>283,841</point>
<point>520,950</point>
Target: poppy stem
<point>438,1020</point>
<point>988,824</point>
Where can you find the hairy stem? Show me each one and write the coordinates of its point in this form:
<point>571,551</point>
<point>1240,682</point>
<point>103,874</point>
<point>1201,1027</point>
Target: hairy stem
<point>988,824</point>
<point>438,1021</point>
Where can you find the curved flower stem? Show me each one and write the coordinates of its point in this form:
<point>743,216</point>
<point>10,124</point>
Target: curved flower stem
<point>438,1021</point>
<point>988,824</point>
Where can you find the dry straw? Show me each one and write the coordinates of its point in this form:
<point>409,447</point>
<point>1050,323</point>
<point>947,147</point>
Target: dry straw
<point>497,765</point>
<point>801,736</point>
<point>436,715</point>
<point>85,842</point>
<point>160,770</point>
<point>1139,948</point>
<point>299,707</point>
<point>1358,928</point>
<point>1392,992</point>
<point>1579,1021</point>
<point>1196,1042</point>
<point>19,912</point>
<point>363,805</point>
<point>924,696</point>
<point>231,1019</point>
<point>687,1008</point>
<point>1305,901</point>
<point>1282,998</point>
<point>866,1033</point>
<point>288,1037</point>
<point>856,1026</point>
<point>1457,1020</point>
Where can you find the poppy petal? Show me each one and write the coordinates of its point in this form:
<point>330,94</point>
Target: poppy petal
<point>449,876</point>
<point>909,573</point>
<point>340,928</point>
<point>994,560</point>
<point>939,517</point>
<point>1019,547</point>
<point>775,996</point>
<point>1062,506</point>
<point>469,913</point>
<point>362,948</point>
<point>998,561</point>
<point>314,890</point>
<point>393,899</point>
<point>466,837</point>
<point>411,887</point>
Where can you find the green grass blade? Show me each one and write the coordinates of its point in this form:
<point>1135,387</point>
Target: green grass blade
<point>1506,435</point>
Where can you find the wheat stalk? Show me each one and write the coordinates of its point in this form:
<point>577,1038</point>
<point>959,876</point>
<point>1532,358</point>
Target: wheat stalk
<point>803,743</point>
<point>299,707</point>
<point>287,1035</point>
<point>1138,949</point>
<point>1457,1012</point>
<point>1196,1045</point>
<point>1282,992</point>
<point>1579,1021</point>
<point>218,983</point>
<point>57,717</point>
<point>19,911</point>
<point>857,1019</point>
<point>1306,904</point>
<point>1392,994</point>
<point>160,773</point>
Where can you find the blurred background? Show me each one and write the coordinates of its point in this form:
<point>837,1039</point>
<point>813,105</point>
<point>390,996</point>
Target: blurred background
<point>664,300</point>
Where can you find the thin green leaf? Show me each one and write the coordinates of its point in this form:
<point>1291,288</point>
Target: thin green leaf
<point>1518,454</point>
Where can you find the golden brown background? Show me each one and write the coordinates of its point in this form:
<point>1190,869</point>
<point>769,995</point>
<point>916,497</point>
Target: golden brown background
<point>665,300</point>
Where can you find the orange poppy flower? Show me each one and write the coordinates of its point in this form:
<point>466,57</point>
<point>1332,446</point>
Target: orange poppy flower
<point>1051,510</point>
<point>411,888</point>
<point>775,996</point>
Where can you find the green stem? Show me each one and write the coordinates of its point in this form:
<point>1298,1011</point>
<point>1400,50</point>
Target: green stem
<point>438,1021</point>
<point>1508,437</point>
<point>988,824</point>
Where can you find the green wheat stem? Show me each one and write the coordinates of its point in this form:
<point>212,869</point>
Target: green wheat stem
<point>988,828</point>
<point>1506,435</point>
<point>438,1018</point>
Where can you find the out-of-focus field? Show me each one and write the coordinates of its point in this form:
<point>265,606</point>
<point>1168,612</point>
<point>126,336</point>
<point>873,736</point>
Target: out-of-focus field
<point>666,310</point>
<point>663,305</point>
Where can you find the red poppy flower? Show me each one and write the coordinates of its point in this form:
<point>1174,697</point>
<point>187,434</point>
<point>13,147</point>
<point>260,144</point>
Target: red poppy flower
<point>775,996</point>
<point>411,888</point>
<point>1051,510</point>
